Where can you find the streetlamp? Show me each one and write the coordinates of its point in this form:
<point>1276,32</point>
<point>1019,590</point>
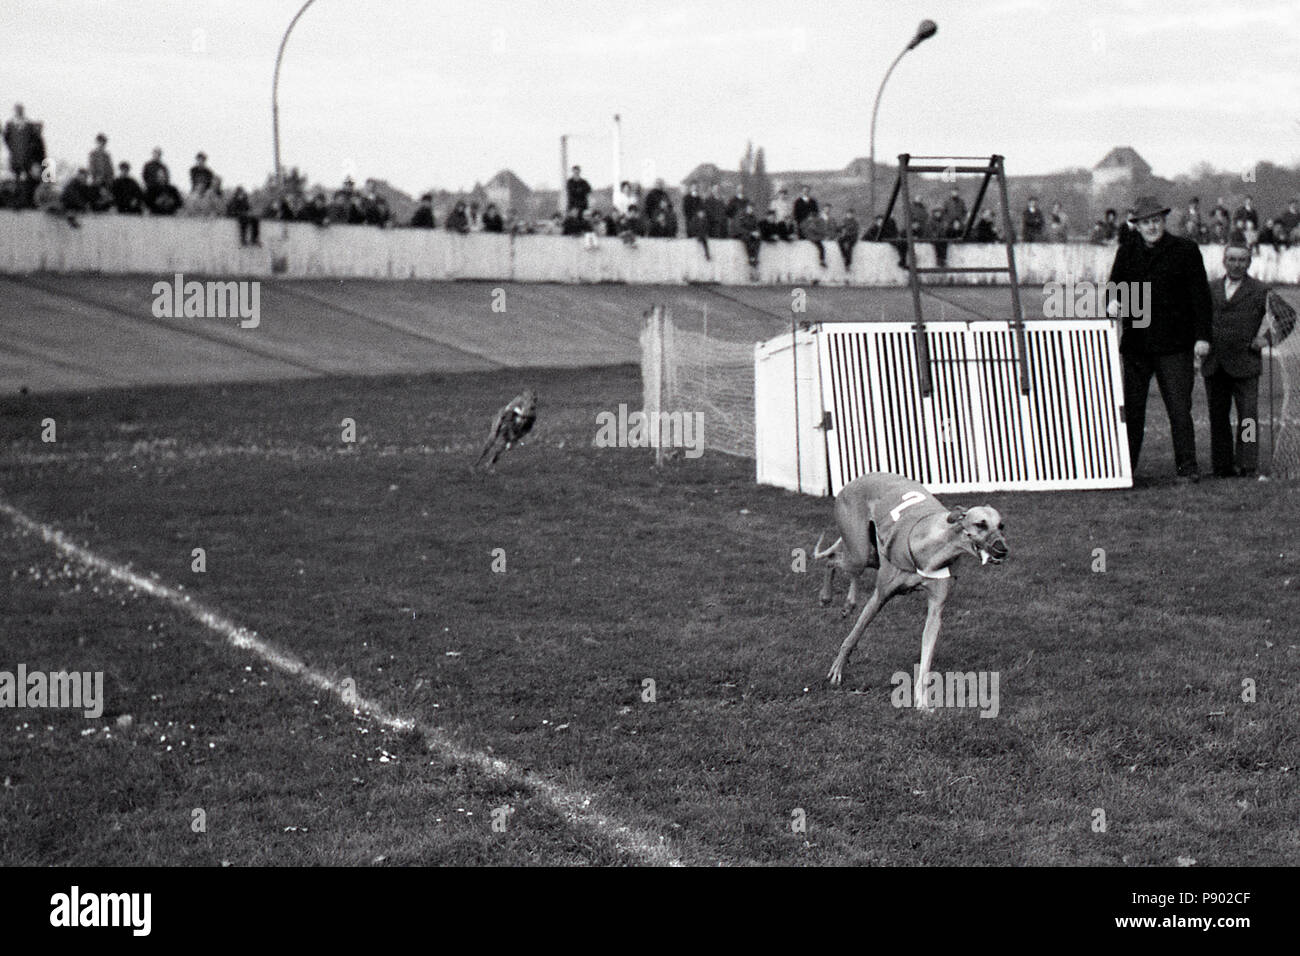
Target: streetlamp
<point>924,31</point>
<point>275,96</point>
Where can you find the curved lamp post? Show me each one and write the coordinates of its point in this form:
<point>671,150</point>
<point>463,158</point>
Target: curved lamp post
<point>275,95</point>
<point>924,31</point>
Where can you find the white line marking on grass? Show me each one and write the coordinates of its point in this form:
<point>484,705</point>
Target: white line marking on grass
<point>575,806</point>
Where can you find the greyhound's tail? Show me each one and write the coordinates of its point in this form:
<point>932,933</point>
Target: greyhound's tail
<point>818,553</point>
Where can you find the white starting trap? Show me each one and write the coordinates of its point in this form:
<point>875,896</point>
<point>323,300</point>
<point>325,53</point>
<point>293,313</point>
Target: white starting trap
<point>957,406</point>
<point>985,405</point>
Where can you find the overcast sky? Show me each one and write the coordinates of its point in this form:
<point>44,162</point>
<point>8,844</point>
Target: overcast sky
<point>446,92</point>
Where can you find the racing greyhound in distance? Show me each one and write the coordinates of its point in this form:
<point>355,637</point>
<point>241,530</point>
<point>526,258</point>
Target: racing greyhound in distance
<point>892,523</point>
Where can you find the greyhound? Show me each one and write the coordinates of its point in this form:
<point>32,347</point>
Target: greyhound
<point>512,423</point>
<point>892,523</point>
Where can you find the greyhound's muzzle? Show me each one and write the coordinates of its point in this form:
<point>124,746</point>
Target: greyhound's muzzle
<point>996,550</point>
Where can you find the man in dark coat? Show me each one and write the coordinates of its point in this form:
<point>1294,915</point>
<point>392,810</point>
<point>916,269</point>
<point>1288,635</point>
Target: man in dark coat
<point>1032,222</point>
<point>577,190</point>
<point>847,238</point>
<point>804,207</point>
<point>155,173</point>
<point>656,197</point>
<point>1232,368</point>
<point>201,175</point>
<point>745,227</point>
<point>128,197</point>
<point>715,210</point>
<point>423,217</point>
<point>25,142</point>
<point>1169,322</point>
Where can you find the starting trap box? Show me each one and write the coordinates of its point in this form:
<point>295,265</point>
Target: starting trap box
<point>1032,408</point>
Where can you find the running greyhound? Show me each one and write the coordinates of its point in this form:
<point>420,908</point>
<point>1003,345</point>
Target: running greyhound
<point>512,423</point>
<point>892,523</point>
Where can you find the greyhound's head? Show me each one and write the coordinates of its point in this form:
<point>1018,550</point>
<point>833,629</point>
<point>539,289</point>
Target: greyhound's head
<point>981,531</point>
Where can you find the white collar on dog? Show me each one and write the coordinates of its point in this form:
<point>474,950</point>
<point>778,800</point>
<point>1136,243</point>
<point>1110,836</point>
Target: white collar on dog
<point>935,575</point>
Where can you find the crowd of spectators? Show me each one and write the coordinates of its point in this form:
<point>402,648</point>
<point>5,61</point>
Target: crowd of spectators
<point>707,212</point>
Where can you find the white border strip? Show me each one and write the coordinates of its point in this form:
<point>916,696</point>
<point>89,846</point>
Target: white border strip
<point>574,805</point>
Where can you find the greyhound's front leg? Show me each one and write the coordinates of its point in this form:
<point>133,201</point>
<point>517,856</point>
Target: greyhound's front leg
<point>937,593</point>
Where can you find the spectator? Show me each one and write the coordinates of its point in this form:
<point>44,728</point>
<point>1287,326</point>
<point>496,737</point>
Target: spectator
<point>458,218</point>
<point>1032,222</point>
<point>1058,224</point>
<point>77,195</point>
<point>715,211</point>
<point>374,208</point>
<point>423,217</point>
<point>920,217</point>
<point>987,231</point>
<point>1275,236</point>
<point>881,230</point>
<point>1290,218</point>
<point>664,224</point>
<point>1232,368</point>
<point>155,173</point>
<point>1221,206</point>
<point>201,177</point>
<point>26,145</point>
<point>955,207</point>
<point>745,227</point>
<point>847,236</point>
<point>1246,211</point>
<point>622,198</point>
<point>804,207</point>
<point>1176,325</point>
<point>937,231</point>
<point>100,163</point>
<point>317,211</point>
<point>1106,228</point>
<point>241,209</point>
<point>656,198</point>
<point>771,229</point>
<point>817,229</point>
<point>735,206</point>
<point>632,226</point>
<point>1193,227</point>
<point>1218,230</point>
<point>128,197</point>
<point>697,220</point>
<point>492,221</point>
<point>782,205</point>
<point>577,189</point>
<point>574,224</point>
<point>207,203</point>
<point>160,196</point>
<point>1251,232</point>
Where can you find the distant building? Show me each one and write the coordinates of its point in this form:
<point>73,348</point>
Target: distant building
<point>508,191</point>
<point>1122,166</point>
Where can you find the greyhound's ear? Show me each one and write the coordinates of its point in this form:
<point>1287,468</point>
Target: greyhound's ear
<point>956,515</point>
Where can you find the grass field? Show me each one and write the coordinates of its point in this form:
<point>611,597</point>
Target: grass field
<point>1120,691</point>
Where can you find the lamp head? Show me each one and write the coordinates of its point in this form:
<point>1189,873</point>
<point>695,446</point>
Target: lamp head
<point>927,29</point>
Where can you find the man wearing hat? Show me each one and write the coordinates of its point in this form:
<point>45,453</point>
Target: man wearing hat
<point>1232,368</point>
<point>1174,325</point>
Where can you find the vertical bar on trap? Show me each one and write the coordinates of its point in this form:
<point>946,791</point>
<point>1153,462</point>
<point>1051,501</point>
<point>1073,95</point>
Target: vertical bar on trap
<point>663,387</point>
